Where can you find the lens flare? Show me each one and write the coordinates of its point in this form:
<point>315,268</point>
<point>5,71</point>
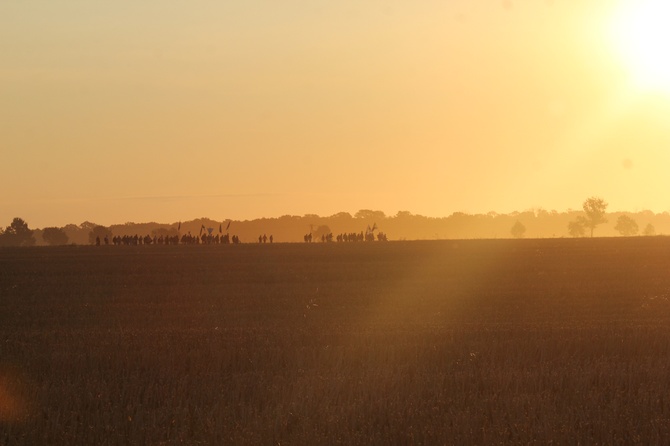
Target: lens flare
<point>12,406</point>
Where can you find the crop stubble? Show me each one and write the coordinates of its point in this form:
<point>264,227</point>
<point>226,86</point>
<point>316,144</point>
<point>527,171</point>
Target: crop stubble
<point>443,342</point>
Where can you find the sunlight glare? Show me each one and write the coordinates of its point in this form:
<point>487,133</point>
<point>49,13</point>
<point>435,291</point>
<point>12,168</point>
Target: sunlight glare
<point>642,35</point>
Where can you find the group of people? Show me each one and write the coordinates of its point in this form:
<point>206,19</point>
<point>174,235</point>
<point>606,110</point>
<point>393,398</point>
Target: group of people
<point>209,239</point>
<point>186,239</point>
<point>138,240</point>
<point>368,236</point>
<point>360,237</point>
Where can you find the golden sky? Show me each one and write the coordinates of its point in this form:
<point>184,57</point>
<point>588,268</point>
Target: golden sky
<point>163,111</point>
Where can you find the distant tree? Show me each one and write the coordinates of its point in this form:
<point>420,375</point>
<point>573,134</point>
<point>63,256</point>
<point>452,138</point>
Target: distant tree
<point>649,230</point>
<point>342,215</point>
<point>403,214</point>
<point>367,214</point>
<point>577,228</point>
<point>594,208</point>
<point>626,226</point>
<point>98,231</point>
<point>76,234</point>
<point>518,230</point>
<point>18,234</point>
<point>321,230</point>
<point>87,226</point>
<point>541,213</point>
<point>55,236</point>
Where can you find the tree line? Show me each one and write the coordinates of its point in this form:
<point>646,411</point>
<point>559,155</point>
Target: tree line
<point>591,220</point>
<point>594,214</point>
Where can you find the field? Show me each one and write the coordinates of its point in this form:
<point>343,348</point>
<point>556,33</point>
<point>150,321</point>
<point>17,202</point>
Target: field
<point>563,341</point>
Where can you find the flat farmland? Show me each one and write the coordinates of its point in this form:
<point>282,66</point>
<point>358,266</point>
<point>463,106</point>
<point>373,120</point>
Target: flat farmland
<point>563,341</point>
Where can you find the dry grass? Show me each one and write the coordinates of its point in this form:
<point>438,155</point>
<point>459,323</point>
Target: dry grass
<point>468,342</point>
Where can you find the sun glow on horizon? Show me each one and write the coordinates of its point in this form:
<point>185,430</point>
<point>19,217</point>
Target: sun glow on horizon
<point>641,34</point>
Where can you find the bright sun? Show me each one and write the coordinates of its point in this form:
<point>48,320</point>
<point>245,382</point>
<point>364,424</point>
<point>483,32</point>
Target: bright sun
<point>641,31</point>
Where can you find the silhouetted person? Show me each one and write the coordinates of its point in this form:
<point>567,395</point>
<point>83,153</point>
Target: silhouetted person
<point>97,240</point>
<point>271,238</point>
<point>265,238</point>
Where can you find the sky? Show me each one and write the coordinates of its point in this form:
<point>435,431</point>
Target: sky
<point>166,111</point>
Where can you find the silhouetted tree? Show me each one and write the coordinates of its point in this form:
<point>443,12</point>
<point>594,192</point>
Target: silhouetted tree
<point>55,236</point>
<point>367,214</point>
<point>342,215</point>
<point>18,234</point>
<point>626,226</point>
<point>577,228</point>
<point>321,230</point>
<point>594,208</point>
<point>518,230</point>
<point>649,230</point>
<point>98,231</point>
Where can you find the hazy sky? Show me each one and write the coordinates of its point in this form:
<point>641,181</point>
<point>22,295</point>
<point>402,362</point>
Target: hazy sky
<point>156,110</point>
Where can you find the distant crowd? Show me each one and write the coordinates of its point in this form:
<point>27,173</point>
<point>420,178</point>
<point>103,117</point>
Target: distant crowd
<point>208,239</point>
<point>186,239</point>
<point>349,237</point>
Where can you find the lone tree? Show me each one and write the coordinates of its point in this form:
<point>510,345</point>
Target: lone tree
<point>577,228</point>
<point>626,226</point>
<point>18,234</point>
<point>518,230</point>
<point>649,230</point>
<point>99,231</point>
<point>55,236</point>
<point>321,231</point>
<point>594,208</point>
